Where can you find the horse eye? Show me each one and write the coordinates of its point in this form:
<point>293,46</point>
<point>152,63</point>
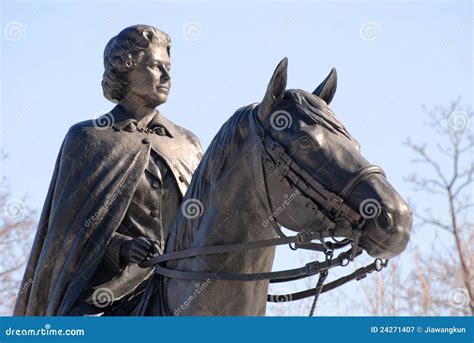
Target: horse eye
<point>305,144</point>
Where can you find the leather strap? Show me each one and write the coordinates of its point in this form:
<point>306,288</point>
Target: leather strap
<point>361,174</point>
<point>327,206</point>
<point>221,249</point>
<point>309,269</point>
<point>359,274</point>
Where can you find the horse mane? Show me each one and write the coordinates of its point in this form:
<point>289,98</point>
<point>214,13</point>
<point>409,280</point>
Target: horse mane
<point>217,163</point>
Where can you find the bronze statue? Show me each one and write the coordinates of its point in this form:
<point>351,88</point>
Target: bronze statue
<point>285,161</point>
<point>119,180</point>
<point>115,190</point>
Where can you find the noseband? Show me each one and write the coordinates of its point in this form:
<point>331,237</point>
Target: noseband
<point>329,208</point>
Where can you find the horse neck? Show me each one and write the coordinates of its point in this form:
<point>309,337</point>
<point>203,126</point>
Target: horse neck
<point>234,216</point>
<point>239,210</point>
<point>231,188</point>
<point>235,210</point>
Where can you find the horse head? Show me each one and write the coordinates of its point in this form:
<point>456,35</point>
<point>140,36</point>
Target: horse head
<point>322,150</point>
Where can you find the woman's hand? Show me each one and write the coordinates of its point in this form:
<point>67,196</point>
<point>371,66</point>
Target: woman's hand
<point>137,250</point>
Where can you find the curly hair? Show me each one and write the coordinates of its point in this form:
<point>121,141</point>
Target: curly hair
<point>122,53</point>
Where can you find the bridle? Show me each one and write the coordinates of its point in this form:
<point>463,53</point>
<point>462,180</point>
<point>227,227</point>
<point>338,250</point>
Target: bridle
<point>329,208</point>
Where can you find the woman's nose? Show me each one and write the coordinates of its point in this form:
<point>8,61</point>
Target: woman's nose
<point>165,76</point>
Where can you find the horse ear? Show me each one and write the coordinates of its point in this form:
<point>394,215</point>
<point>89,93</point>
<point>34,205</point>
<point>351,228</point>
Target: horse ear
<point>327,88</point>
<point>275,89</point>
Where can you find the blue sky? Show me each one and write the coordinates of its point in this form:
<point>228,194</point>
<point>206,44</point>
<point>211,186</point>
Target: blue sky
<point>421,54</point>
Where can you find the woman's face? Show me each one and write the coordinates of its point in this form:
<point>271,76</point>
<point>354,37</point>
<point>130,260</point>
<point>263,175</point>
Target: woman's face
<point>150,80</point>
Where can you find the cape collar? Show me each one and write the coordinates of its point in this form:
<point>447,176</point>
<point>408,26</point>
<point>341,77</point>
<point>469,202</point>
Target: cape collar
<point>122,119</point>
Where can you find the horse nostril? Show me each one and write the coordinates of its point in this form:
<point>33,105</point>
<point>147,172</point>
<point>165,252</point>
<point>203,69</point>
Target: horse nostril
<point>384,220</point>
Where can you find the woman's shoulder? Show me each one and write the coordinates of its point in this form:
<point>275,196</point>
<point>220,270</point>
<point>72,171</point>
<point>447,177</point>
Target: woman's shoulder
<point>96,128</point>
<point>188,133</point>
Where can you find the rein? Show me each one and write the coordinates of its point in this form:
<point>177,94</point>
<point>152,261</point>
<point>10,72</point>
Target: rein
<point>328,207</point>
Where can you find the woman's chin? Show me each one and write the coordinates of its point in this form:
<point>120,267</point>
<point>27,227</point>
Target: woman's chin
<point>162,97</point>
<point>158,99</point>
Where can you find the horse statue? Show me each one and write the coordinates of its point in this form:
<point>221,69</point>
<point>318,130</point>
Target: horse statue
<point>286,161</point>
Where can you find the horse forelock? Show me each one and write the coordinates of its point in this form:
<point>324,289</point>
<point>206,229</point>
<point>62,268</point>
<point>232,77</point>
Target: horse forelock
<point>317,110</point>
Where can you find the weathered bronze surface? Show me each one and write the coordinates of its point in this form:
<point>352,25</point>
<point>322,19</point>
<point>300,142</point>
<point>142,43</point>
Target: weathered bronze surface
<point>118,180</point>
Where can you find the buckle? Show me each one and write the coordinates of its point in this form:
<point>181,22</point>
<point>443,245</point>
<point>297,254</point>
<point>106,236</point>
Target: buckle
<point>335,202</point>
<point>269,163</point>
<point>277,149</point>
<point>303,237</point>
<point>282,168</point>
<point>312,267</point>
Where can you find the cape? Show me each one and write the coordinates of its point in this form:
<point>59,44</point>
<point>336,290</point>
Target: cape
<point>94,179</point>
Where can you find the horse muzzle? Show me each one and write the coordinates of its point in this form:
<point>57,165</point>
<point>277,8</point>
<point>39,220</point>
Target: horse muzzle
<point>386,235</point>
